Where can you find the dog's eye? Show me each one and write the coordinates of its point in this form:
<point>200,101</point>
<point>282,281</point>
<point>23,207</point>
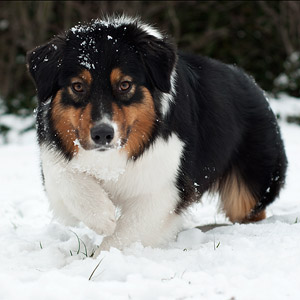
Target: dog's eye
<point>125,86</point>
<point>78,87</point>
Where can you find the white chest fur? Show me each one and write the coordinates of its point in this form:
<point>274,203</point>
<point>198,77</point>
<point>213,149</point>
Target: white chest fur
<point>144,189</point>
<point>156,169</point>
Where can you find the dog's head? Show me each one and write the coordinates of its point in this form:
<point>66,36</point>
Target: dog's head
<point>107,82</point>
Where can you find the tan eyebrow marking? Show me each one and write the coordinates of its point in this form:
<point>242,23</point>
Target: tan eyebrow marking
<point>116,76</point>
<point>86,76</point>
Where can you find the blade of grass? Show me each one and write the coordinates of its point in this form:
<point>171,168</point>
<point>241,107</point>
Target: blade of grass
<point>78,251</point>
<point>84,245</point>
<point>96,268</point>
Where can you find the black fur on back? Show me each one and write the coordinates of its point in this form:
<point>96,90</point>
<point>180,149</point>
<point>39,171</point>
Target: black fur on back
<point>227,124</point>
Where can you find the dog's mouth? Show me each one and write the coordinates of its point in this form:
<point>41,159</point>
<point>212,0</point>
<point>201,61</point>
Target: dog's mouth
<point>119,144</point>
<point>105,148</point>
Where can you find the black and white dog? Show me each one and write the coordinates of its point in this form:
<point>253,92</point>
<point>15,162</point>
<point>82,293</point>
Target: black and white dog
<point>124,120</point>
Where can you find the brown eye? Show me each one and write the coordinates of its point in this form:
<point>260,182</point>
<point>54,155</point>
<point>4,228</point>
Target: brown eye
<point>77,87</point>
<point>125,86</point>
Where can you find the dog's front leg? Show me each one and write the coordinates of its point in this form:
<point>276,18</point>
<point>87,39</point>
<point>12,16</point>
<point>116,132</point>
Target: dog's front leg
<point>76,196</point>
<point>150,220</point>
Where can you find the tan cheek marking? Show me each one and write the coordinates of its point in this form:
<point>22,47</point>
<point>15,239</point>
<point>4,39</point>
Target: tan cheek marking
<point>139,119</point>
<point>120,120</point>
<point>65,121</point>
<point>84,126</point>
<point>70,121</point>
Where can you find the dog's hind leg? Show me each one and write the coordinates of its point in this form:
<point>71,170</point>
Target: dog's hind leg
<point>238,201</point>
<point>246,190</point>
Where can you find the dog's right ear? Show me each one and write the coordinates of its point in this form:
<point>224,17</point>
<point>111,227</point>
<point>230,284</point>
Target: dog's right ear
<point>44,64</point>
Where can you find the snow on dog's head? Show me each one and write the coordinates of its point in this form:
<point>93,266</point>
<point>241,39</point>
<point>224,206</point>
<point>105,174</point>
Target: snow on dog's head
<point>109,83</point>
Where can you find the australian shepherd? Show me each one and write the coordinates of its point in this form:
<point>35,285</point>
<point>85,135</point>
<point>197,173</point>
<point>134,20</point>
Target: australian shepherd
<point>126,121</point>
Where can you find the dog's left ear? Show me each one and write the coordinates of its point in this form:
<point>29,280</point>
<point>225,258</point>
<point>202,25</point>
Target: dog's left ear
<point>159,57</point>
<point>43,64</point>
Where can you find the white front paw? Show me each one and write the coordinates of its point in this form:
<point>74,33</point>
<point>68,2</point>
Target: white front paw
<point>106,226</point>
<point>106,244</point>
<point>104,222</point>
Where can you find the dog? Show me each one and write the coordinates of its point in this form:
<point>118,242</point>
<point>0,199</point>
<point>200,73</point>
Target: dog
<point>128,124</point>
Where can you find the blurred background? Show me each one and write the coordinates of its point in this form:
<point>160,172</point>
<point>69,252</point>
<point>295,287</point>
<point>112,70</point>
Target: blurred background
<point>263,37</point>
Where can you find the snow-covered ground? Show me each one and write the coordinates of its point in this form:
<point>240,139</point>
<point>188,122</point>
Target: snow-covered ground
<point>41,259</point>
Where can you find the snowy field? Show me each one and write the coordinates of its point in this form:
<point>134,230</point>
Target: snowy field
<point>42,259</point>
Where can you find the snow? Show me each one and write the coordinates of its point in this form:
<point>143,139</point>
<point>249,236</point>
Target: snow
<point>115,21</point>
<point>42,259</point>
<point>286,106</point>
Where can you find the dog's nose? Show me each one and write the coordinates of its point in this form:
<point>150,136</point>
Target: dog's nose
<point>102,134</point>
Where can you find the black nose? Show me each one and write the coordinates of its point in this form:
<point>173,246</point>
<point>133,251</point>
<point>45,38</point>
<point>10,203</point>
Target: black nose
<point>102,134</point>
